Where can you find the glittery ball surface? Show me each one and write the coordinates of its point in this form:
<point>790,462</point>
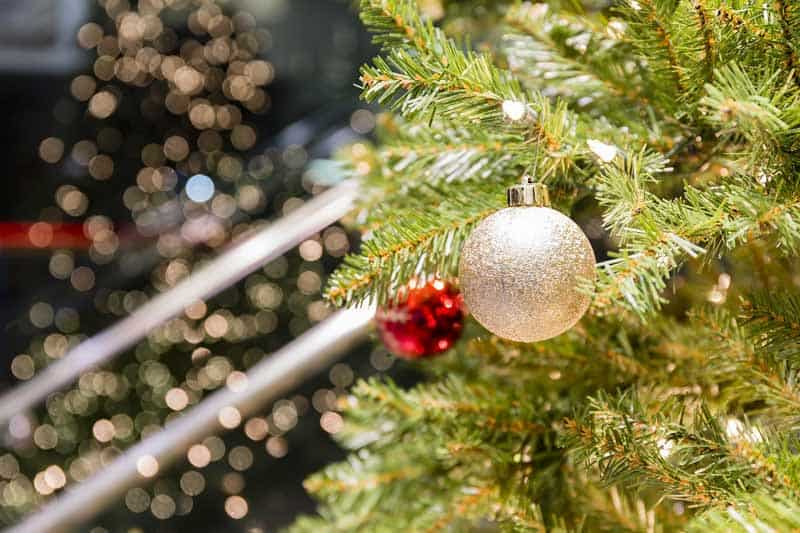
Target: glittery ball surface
<point>429,321</point>
<point>519,273</point>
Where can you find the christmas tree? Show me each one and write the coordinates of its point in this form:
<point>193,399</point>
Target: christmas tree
<point>669,129</point>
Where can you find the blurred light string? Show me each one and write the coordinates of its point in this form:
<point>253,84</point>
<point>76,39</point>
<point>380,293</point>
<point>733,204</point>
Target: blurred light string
<point>223,271</point>
<point>275,375</point>
<point>41,235</point>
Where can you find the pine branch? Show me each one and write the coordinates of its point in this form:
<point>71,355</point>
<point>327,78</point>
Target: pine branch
<point>369,490</point>
<point>639,274</point>
<point>428,75</point>
<point>613,510</point>
<point>752,380</point>
<point>567,55</point>
<point>595,354</point>
<point>734,21</point>
<point>764,111</point>
<point>480,469</point>
<point>708,58</point>
<point>697,464</point>
<point>748,35</point>
<point>422,239</point>
<point>622,190</point>
<point>659,235</point>
<point>424,64</point>
<point>457,406</point>
<point>651,34</point>
<point>789,19</point>
<point>773,323</point>
<point>696,52</point>
<point>757,512</point>
<point>418,153</point>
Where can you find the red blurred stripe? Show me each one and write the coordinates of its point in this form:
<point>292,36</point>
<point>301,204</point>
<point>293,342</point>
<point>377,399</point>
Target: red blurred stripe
<point>42,235</point>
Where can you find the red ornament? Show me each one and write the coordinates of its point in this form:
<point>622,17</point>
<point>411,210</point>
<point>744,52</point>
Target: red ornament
<point>428,322</point>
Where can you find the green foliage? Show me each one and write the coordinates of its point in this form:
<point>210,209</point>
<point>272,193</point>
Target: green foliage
<point>674,404</point>
<point>689,461</point>
<point>765,113</point>
<point>773,322</point>
<point>757,512</point>
<point>419,238</point>
<point>651,33</point>
<point>426,72</point>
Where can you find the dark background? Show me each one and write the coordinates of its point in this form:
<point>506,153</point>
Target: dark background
<point>317,48</point>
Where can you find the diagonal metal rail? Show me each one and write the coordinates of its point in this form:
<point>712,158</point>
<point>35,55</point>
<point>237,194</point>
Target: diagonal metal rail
<point>274,376</point>
<point>226,269</point>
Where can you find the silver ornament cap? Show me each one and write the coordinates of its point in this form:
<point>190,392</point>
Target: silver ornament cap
<point>520,268</point>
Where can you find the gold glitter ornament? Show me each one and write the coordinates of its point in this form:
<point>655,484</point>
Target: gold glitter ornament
<point>520,268</point>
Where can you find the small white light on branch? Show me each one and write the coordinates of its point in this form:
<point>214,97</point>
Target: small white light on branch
<point>737,431</point>
<point>514,110</point>
<point>665,447</point>
<point>616,29</point>
<point>606,152</point>
<point>734,428</point>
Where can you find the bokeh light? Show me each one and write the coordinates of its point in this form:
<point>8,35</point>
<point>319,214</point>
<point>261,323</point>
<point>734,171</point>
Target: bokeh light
<point>200,188</point>
<point>170,118</point>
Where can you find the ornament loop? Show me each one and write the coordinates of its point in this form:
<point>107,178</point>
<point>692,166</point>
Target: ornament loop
<point>528,193</point>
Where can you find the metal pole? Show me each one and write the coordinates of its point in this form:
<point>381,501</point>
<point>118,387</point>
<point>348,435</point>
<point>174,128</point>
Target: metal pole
<point>225,270</point>
<point>277,374</point>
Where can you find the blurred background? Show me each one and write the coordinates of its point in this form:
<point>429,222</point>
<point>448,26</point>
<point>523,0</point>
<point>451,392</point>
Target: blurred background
<point>138,139</point>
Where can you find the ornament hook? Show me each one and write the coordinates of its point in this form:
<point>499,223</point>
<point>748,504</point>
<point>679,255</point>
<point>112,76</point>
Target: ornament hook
<point>528,193</point>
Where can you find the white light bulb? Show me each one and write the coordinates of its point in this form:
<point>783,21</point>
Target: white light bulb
<point>514,110</point>
<point>606,152</point>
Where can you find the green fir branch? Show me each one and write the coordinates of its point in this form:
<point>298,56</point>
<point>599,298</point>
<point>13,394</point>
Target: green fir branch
<point>680,118</point>
<point>657,236</point>
<point>763,111</point>
<point>750,380</point>
<point>651,34</point>
<point>567,55</point>
<point>418,153</point>
<point>772,322</point>
<point>788,16</point>
<point>759,512</point>
<point>688,461</point>
<point>422,239</point>
<point>428,76</point>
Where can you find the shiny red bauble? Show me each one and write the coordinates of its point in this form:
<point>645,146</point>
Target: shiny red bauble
<point>428,321</point>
